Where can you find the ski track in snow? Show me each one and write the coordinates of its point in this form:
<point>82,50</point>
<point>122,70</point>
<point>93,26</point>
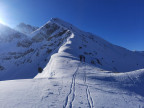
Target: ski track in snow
<point>89,98</point>
<point>71,95</point>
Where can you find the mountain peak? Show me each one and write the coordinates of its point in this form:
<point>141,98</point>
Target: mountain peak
<point>57,20</point>
<point>22,24</point>
<point>64,24</point>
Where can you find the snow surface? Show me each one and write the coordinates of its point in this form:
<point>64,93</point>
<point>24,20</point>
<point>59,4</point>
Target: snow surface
<point>111,77</point>
<point>82,86</point>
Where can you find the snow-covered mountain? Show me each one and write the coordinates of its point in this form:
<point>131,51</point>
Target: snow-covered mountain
<point>111,76</point>
<point>24,57</point>
<point>25,28</point>
<point>97,51</point>
<point>7,34</point>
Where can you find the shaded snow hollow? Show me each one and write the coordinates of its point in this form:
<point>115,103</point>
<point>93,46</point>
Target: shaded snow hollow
<point>112,76</point>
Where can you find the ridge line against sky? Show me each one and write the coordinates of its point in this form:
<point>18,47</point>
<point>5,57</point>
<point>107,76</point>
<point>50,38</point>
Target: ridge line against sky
<point>120,22</point>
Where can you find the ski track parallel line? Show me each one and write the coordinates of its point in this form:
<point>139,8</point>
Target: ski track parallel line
<point>72,91</point>
<point>89,98</point>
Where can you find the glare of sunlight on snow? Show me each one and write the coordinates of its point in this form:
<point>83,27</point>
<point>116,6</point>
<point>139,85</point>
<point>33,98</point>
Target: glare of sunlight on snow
<point>2,22</point>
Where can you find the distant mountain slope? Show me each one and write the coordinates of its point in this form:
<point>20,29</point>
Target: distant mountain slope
<point>56,38</point>
<point>9,40</point>
<point>7,34</point>
<point>25,28</point>
<point>23,58</point>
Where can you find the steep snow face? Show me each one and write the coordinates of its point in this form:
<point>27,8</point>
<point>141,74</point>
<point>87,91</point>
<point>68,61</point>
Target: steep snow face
<point>28,56</point>
<point>32,54</point>
<point>103,54</point>
<point>25,28</point>
<point>9,39</point>
<point>97,51</point>
<point>10,50</point>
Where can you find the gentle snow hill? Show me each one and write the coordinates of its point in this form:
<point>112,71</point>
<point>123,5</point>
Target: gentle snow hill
<point>59,37</point>
<point>85,87</point>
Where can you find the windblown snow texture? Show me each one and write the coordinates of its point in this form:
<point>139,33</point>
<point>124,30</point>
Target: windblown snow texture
<point>25,28</point>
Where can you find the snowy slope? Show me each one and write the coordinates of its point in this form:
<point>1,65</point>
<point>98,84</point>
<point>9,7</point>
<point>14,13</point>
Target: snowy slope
<point>85,87</point>
<point>7,34</point>
<point>97,51</point>
<point>25,28</point>
<point>24,57</point>
<point>111,77</point>
<point>10,50</point>
<point>56,36</point>
<point>9,40</point>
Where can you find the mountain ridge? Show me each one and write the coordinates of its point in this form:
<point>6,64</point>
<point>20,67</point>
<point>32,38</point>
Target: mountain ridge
<point>51,74</point>
<point>58,36</point>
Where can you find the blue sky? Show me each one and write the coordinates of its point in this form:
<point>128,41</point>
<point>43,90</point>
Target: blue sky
<point>120,22</point>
